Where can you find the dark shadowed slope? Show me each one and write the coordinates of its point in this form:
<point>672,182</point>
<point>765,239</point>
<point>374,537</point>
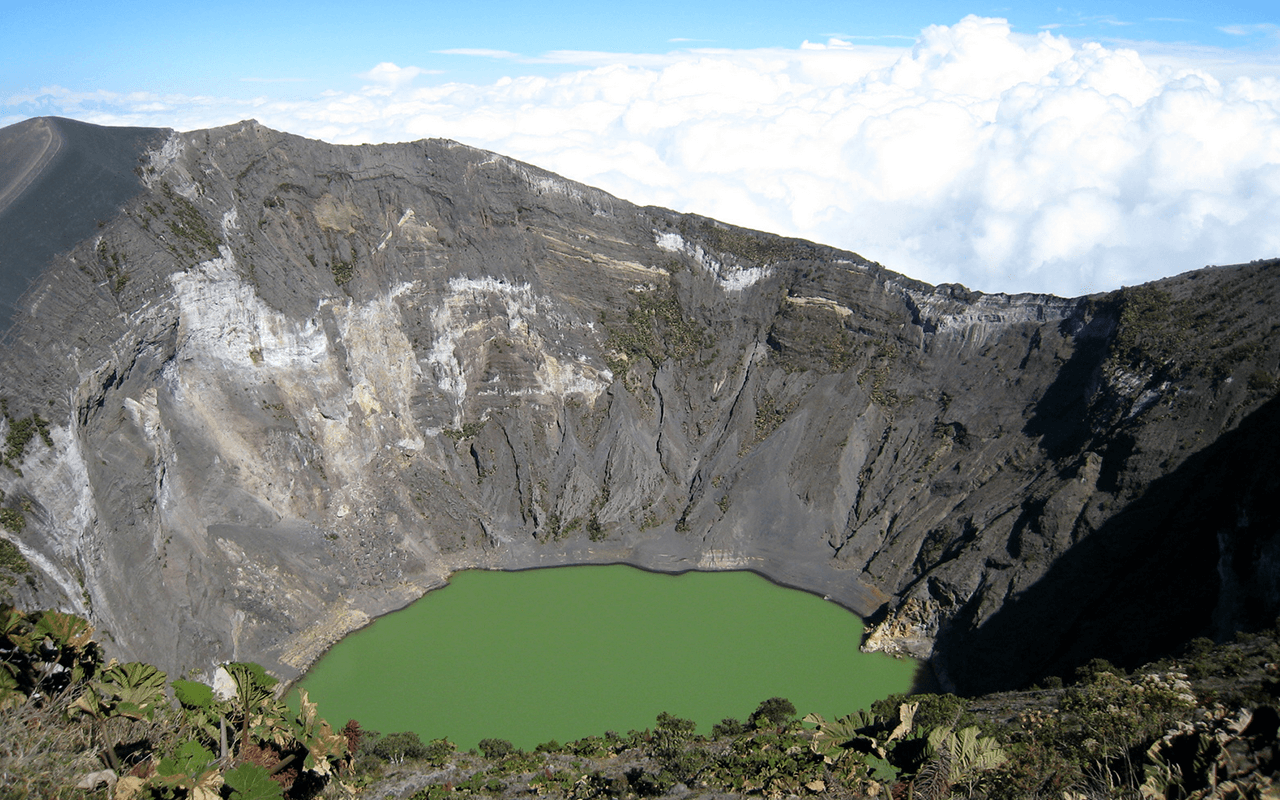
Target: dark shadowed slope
<point>291,386</point>
<point>1193,551</point>
<point>58,179</point>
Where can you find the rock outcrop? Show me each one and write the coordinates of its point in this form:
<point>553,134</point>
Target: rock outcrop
<point>288,386</point>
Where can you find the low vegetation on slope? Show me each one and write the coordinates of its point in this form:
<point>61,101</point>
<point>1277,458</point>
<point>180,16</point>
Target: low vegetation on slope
<point>1200,726</point>
<point>73,725</point>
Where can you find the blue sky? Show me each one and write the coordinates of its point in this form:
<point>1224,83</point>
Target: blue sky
<point>293,49</point>
<point>1010,147</point>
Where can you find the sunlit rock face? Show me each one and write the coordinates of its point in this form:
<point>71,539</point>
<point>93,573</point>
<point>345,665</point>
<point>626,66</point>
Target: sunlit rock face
<point>290,386</point>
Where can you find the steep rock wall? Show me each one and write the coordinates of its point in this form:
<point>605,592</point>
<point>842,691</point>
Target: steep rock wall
<point>292,386</point>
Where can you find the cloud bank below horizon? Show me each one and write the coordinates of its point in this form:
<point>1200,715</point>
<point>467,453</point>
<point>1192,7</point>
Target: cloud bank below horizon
<point>978,156</point>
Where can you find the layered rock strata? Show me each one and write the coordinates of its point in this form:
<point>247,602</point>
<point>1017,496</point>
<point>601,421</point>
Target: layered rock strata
<point>289,386</point>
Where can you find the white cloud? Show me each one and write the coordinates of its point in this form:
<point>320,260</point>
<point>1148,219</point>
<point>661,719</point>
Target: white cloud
<point>1002,161</point>
<point>391,75</point>
<point>1264,28</point>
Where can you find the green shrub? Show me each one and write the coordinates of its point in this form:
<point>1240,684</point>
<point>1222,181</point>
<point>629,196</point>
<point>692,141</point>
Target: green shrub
<point>188,225</point>
<point>774,712</point>
<point>1261,381</point>
<point>11,558</point>
<point>1095,667</point>
<point>398,747</point>
<point>21,432</point>
<point>728,727</point>
<point>1143,328</point>
<point>1109,716</point>
<point>12,519</point>
<point>590,747</point>
<point>671,734</point>
<point>656,329</point>
<point>438,751</point>
<point>343,272</point>
<point>934,711</point>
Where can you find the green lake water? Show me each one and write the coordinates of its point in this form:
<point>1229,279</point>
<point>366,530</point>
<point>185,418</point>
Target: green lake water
<point>570,652</point>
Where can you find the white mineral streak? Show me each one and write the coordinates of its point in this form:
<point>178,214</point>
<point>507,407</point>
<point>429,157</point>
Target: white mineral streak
<point>452,323</point>
<point>59,476</point>
<point>549,184</point>
<point>161,159</point>
<point>230,342</point>
<point>671,242</point>
<point>381,364</point>
<point>476,309</point>
<point>69,586</point>
<point>976,321</point>
<point>563,378</point>
<point>822,302</point>
<point>224,320</point>
<point>391,232</point>
<point>411,230</point>
<point>600,202</point>
<point>723,560</point>
<point>730,277</point>
<point>351,408</point>
<point>145,413</point>
<point>230,221</point>
<point>1147,399</point>
<point>1127,382</point>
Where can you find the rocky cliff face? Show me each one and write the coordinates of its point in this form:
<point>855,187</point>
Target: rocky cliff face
<point>289,386</point>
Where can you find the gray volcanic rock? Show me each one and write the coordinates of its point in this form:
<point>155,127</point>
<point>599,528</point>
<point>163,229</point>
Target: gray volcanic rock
<point>291,386</point>
<point>70,176</point>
